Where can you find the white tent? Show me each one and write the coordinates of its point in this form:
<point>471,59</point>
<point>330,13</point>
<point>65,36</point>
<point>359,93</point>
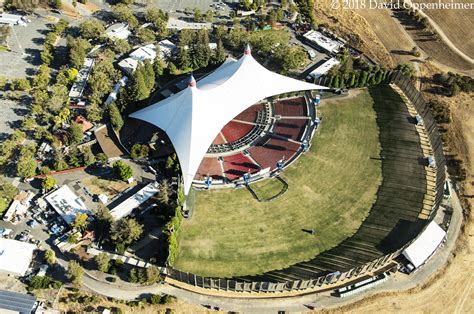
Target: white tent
<point>193,117</point>
<point>425,245</point>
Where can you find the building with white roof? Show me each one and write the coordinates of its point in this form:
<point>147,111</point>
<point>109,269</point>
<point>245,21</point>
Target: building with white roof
<point>321,41</point>
<point>67,204</point>
<point>127,206</point>
<point>118,30</point>
<point>79,85</point>
<point>193,117</point>
<point>323,68</point>
<point>141,54</point>
<point>12,19</point>
<point>15,256</point>
<point>174,23</point>
<point>113,94</point>
<point>425,245</point>
<point>166,49</point>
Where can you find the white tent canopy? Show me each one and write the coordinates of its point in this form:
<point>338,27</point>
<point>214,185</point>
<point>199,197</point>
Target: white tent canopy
<point>193,117</point>
<point>425,245</point>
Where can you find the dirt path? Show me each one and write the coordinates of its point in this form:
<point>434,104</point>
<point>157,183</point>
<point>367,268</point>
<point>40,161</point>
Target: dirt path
<point>444,37</point>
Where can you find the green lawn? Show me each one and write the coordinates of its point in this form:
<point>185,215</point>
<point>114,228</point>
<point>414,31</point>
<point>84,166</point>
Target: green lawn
<point>331,189</point>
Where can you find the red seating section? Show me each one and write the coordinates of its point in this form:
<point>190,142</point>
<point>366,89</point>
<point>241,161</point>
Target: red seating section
<point>290,128</point>
<point>211,167</point>
<point>218,140</point>
<point>250,114</point>
<point>236,166</point>
<point>295,107</point>
<point>235,130</point>
<point>268,154</point>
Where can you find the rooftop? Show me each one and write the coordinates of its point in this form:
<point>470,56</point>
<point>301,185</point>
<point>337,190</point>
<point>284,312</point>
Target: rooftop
<point>15,256</point>
<point>66,204</point>
<point>17,302</point>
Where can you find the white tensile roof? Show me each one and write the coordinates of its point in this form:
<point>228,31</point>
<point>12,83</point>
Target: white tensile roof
<point>193,117</point>
<point>425,245</point>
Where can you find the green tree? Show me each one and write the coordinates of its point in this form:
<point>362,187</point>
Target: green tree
<point>102,261</point>
<point>145,35</point>
<point>102,158</point>
<point>163,196</point>
<point>22,84</point>
<point>198,15</point>
<point>115,117</point>
<point>80,222</point>
<point>120,46</point>
<point>92,28</point>
<point>76,133</point>
<point>152,275</point>
<point>290,57</point>
<point>124,14</point>
<point>59,162</point>
<point>75,272</point>
<point>42,77</point>
<point>125,231</point>
<point>26,166</point>
<point>94,113</point>
<point>219,54</point>
<point>123,170</point>
<point>48,183</point>
<point>77,49</point>
<point>89,158</point>
<point>149,74</point>
<point>159,18</point>
<point>50,257</point>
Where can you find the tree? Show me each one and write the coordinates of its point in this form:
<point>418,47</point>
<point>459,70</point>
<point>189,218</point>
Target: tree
<point>59,162</point>
<point>76,133</point>
<point>92,28</point>
<point>125,231</point>
<point>26,166</point>
<point>102,261</point>
<point>163,196</point>
<point>59,96</point>
<point>48,183</point>
<point>139,151</point>
<point>115,117</point>
<point>145,35</point>
<point>80,222</point>
<point>290,57</point>
<point>120,46</point>
<point>123,170</point>
<point>94,113</point>
<point>152,275</point>
<point>21,84</point>
<point>88,156</point>
<point>75,272</point>
<point>124,14</point>
<point>77,50</point>
<point>209,16</point>
<point>50,257</point>
<point>102,158</point>
<point>219,54</point>
<point>159,18</point>
<point>42,77</point>
<point>149,74</point>
<point>198,15</point>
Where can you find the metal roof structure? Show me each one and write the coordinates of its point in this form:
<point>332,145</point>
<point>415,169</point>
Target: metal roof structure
<point>15,256</point>
<point>425,245</point>
<point>193,117</point>
<point>16,302</point>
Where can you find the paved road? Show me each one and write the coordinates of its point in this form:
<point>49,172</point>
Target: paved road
<point>400,281</point>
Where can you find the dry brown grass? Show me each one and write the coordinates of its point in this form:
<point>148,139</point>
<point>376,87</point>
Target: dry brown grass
<point>352,26</point>
<point>456,25</point>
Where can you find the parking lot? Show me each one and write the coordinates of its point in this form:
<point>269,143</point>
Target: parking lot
<point>178,6</point>
<point>25,44</point>
<point>11,113</point>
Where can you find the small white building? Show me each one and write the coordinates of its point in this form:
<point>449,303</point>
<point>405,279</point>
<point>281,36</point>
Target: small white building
<point>141,54</point>
<point>67,204</point>
<point>323,68</point>
<point>166,49</point>
<point>425,245</point>
<point>79,85</point>
<point>19,206</point>
<point>118,30</point>
<point>113,95</point>
<point>127,206</point>
<point>12,19</point>
<point>15,256</point>
<point>318,39</point>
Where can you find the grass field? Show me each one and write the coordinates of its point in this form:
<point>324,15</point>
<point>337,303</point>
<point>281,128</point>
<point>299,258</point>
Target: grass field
<point>331,189</point>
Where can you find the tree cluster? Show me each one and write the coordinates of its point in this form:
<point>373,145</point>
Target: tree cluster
<point>139,151</point>
<point>148,276</point>
<point>455,83</point>
<point>123,170</point>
